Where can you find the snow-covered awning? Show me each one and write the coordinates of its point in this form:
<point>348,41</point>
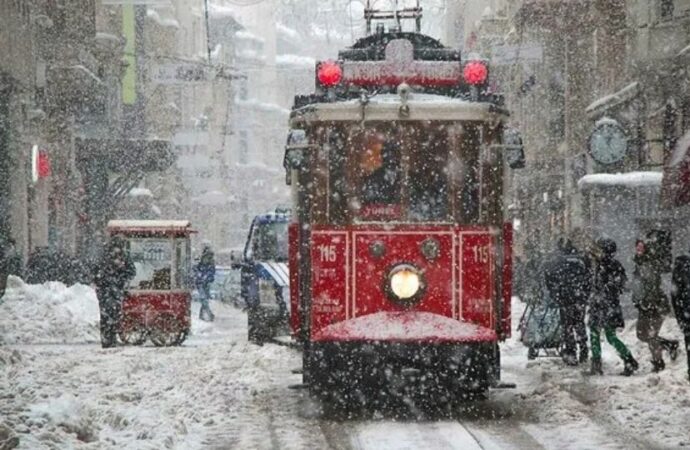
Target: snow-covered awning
<point>603,104</point>
<point>627,180</point>
<point>152,227</point>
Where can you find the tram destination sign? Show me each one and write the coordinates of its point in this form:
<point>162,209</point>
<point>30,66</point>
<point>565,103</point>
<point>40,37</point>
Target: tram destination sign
<point>401,67</point>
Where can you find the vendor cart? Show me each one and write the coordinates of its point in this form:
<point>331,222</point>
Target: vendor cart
<point>158,300</point>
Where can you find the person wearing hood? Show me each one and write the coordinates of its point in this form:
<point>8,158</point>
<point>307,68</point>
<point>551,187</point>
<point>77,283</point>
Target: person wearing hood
<point>111,276</point>
<point>651,303</point>
<point>605,311</point>
<point>205,272</point>
<point>681,298</point>
<point>569,281</point>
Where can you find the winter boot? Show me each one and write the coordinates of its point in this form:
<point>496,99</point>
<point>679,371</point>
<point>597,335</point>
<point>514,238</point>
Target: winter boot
<point>658,365</point>
<point>570,360</point>
<point>596,367</point>
<point>630,366</point>
<point>584,355</point>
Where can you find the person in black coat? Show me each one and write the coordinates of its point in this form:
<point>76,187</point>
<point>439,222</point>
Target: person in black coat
<point>569,281</point>
<point>681,298</point>
<point>111,276</point>
<point>605,311</point>
<point>382,186</point>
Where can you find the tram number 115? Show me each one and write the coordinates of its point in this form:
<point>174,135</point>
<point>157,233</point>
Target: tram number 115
<point>481,254</point>
<point>327,253</point>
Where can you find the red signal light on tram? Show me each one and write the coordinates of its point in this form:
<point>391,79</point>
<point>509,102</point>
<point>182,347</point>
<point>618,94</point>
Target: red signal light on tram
<point>329,74</point>
<point>475,72</point>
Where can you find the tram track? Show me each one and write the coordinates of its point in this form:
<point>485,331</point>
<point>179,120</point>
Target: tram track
<point>389,435</point>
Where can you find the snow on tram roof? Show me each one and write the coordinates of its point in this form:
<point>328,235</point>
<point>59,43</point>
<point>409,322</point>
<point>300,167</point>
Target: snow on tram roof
<point>149,224</point>
<point>387,107</point>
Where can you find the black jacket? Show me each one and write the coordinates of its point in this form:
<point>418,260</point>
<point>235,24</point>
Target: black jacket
<point>605,307</point>
<point>114,270</point>
<point>681,296</point>
<point>568,278</point>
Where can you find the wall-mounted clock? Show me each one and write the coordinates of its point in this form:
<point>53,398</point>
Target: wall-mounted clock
<point>608,143</point>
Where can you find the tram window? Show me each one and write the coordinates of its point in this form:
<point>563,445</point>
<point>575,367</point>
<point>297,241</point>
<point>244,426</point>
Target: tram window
<point>470,192</point>
<point>382,185</point>
<point>428,180</point>
<point>337,184</point>
<point>152,260</point>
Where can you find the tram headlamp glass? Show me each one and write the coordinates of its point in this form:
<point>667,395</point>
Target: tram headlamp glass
<point>405,282</point>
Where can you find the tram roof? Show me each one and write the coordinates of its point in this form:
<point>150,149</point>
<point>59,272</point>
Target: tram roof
<point>386,107</point>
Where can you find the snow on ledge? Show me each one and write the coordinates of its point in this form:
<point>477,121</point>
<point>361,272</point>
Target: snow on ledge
<point>140,192</point>
<point>153,15</point>
<point>609,101</point>
<point>406,326</point>
<point>629,179</point>
<point>295,60</point>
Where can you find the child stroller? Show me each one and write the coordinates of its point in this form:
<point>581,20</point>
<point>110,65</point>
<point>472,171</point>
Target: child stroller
<point>540,325</point>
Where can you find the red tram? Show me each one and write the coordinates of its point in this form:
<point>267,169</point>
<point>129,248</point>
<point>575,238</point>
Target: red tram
<point>400,258</point>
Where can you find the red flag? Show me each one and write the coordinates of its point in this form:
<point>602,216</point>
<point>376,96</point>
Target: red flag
<point>43,164</point>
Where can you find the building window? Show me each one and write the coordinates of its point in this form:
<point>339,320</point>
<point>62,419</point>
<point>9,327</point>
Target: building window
<point>670,127</point>
<point>686,116</point>
<point>666,9</point>
<point>243,156</point>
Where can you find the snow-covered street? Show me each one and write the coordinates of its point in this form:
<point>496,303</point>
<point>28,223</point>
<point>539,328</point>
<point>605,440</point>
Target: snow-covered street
<point>218,391</point>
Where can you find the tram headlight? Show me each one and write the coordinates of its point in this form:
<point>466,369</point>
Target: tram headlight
<point>405,282</point>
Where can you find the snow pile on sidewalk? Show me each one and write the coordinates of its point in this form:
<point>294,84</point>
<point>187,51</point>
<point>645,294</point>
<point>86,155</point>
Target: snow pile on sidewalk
<point>48,313</point>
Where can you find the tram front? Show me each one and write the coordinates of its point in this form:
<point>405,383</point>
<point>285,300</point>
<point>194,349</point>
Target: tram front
<point>399,255</point>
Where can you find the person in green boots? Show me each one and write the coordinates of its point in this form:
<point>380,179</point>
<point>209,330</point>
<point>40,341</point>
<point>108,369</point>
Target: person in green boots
<point>605,308</point>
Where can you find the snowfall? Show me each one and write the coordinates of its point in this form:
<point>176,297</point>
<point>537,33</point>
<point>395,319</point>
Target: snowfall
<point>60,390</point>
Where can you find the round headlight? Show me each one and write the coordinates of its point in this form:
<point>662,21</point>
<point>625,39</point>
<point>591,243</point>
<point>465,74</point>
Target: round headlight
<point>405,282</point>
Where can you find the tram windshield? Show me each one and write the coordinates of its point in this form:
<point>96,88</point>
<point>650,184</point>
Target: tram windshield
<point>269,242</point>
<point>410,172</point>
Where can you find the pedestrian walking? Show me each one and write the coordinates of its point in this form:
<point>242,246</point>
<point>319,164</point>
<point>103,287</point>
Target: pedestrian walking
<point>10,262</point>
<point>111,276</point>
<point>205,273</point>
<point>651,303</point>
<point>569,281</point>
<point>681,299</point>
<point>605,311</point>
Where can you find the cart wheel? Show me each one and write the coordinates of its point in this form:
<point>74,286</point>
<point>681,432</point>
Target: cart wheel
<point>134,335</point>
<point>181,337</point>
<point>166,331</point>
